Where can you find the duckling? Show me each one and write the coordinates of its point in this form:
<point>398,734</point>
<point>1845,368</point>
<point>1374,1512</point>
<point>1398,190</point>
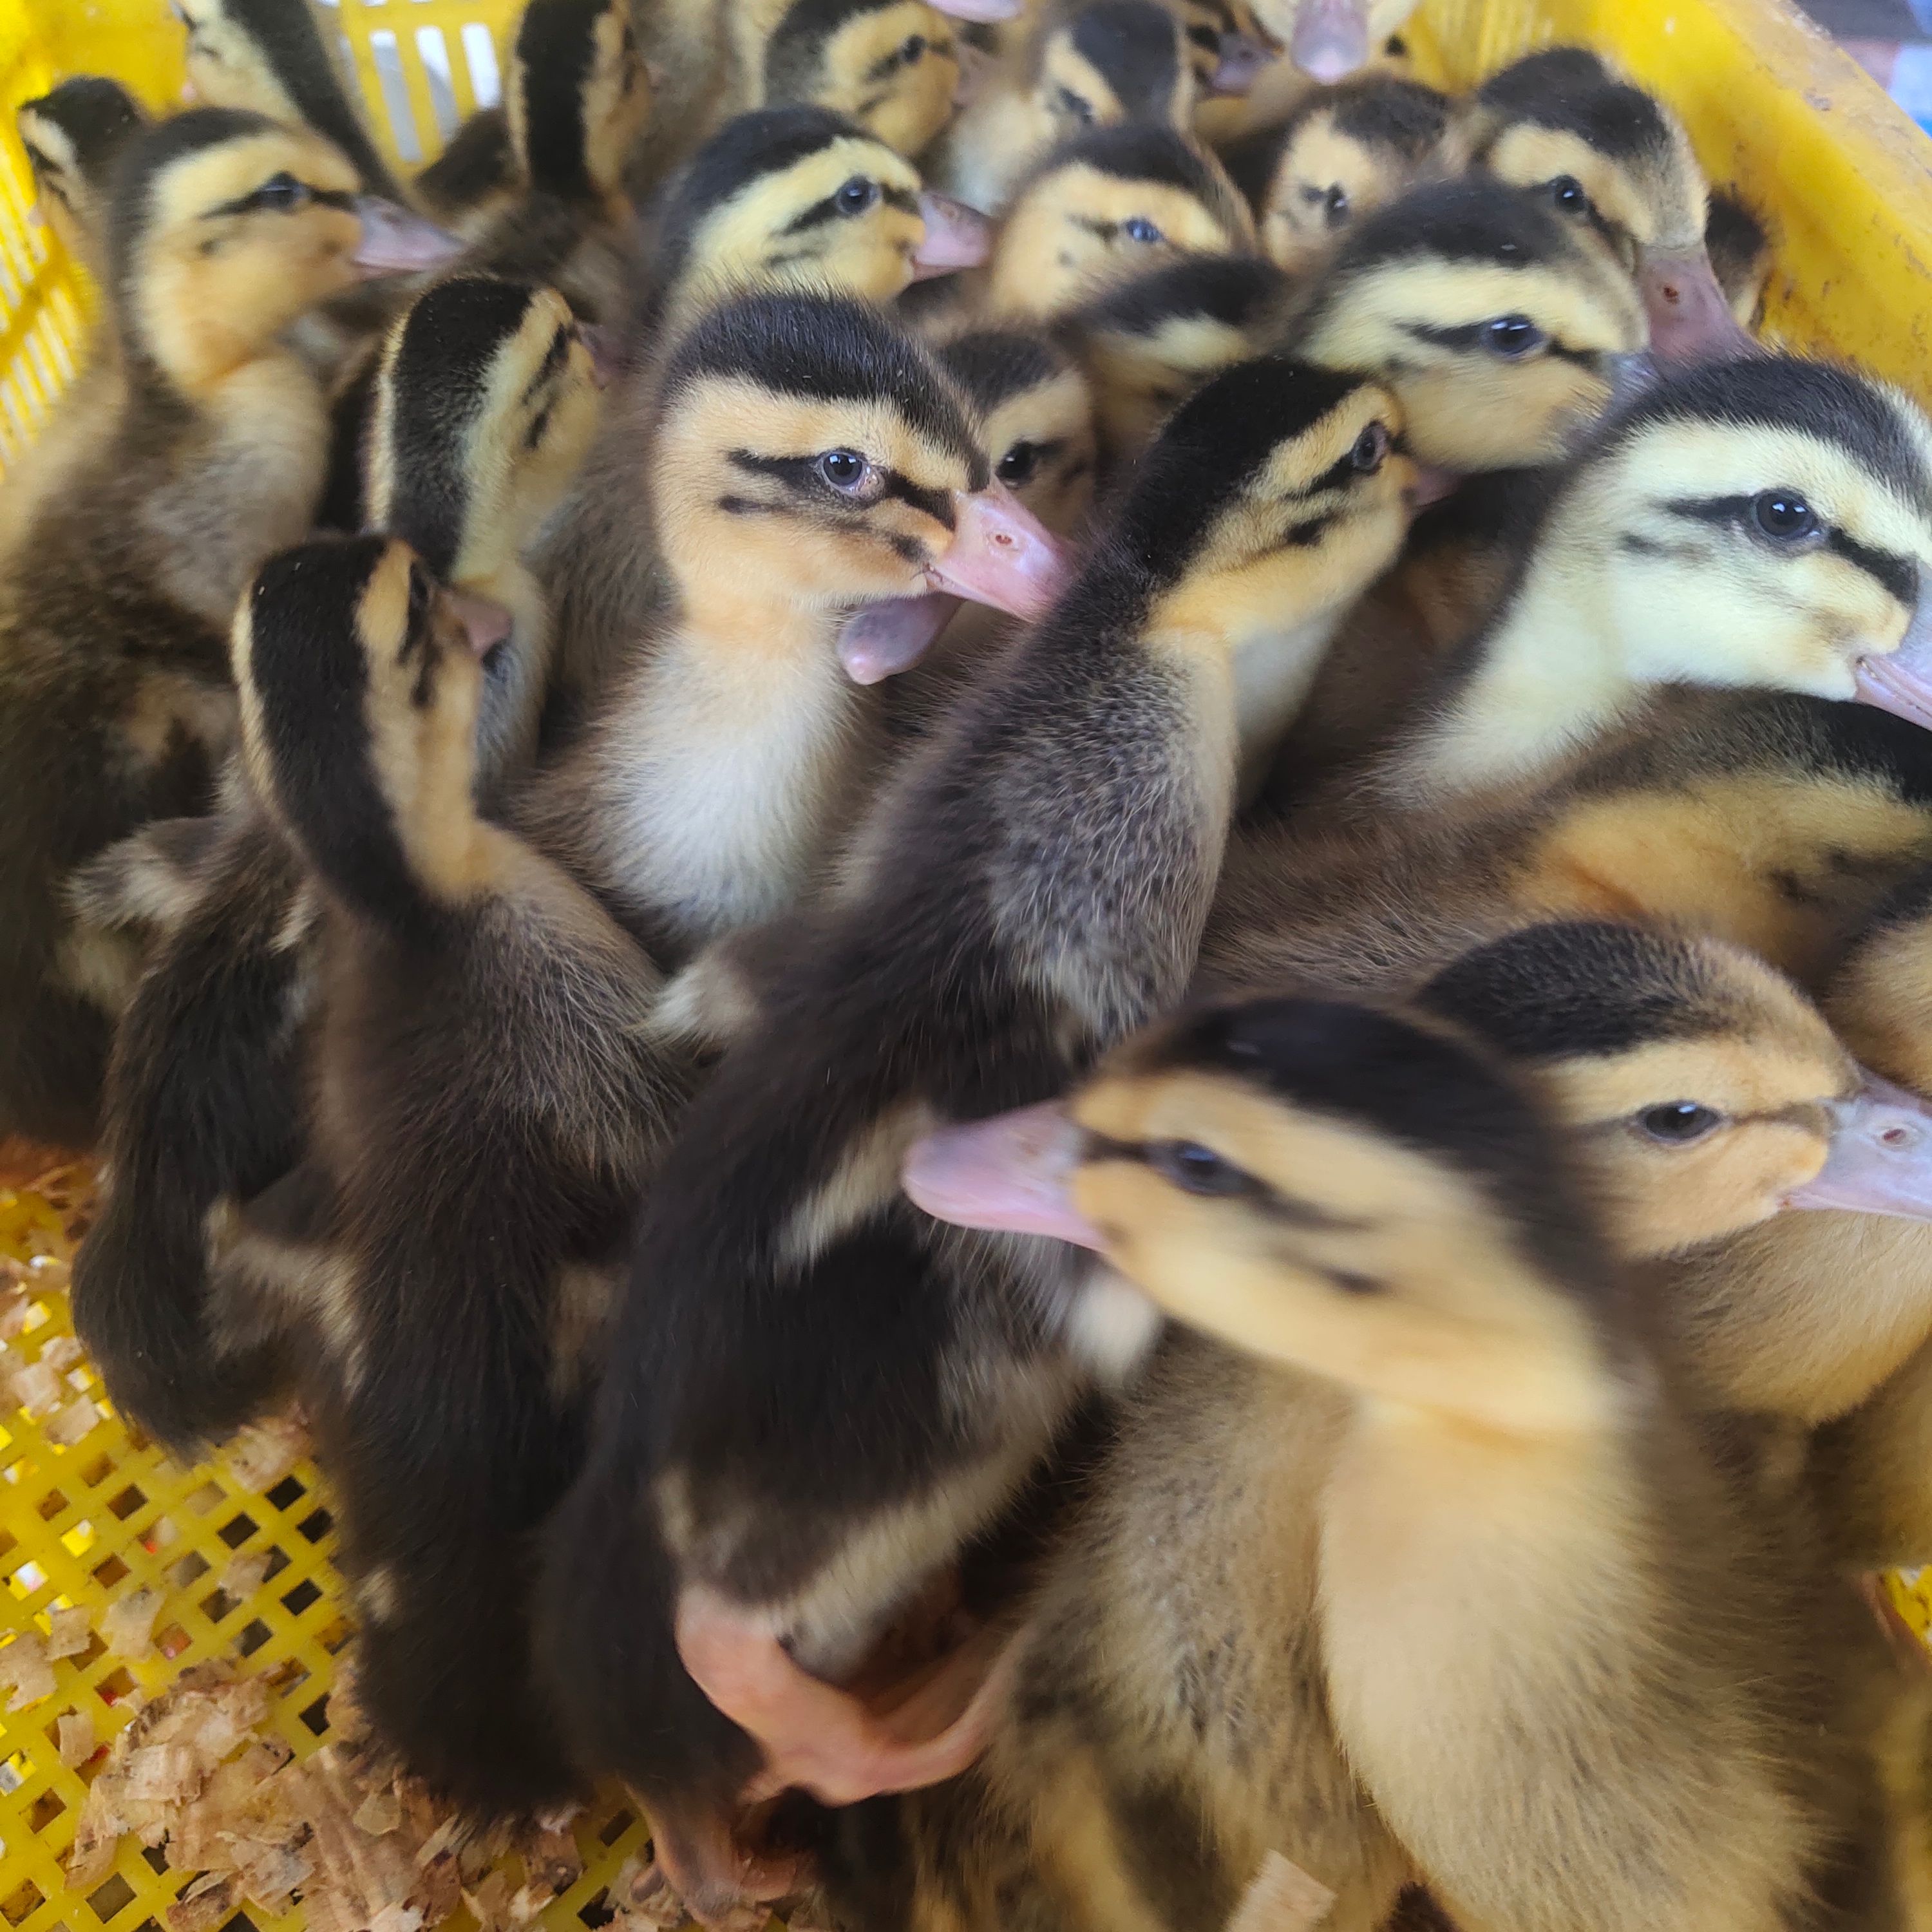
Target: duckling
<point>72,136</point>
<point>485,401</point>
<point>1105,206</point>
<point>1739,246</point>
<point>1344,153</point>
<point>1030,888</point>
<point>892,66</point>
<point>1438,1415</point>
<point>267,57</point>
<point>207,454</point>
<point>577,99</point>
<point>802,455</point>
<point>1093,65</point>
<point>475,179</point>
<point>476,999</point>
<point>1614,159</point>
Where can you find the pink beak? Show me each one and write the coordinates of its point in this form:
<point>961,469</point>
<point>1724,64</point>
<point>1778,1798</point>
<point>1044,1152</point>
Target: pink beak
<point>1243,57</point>
<point>396,242</point>
<point>1900,681</point>
<point>956,237</point>
<point>979,10</point>
<point>486,622</point>
<point>1330,40</point>
<point>1001,554</point>
<point>1010,1174</point>
<point>1689,319</point>
<point>1432,485</point>
<point>884,639</point>
<point>1881,1157</point>
<point>607,352</point>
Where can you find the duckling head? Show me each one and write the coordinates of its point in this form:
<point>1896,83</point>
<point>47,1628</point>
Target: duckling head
<point>485,405</point>
<point>1273,498</point>
<point>892,66</point>
<point>266,57</point>
<point>1342,155</point>
<point>811,455</point>
<point>1109,204</point>
<point>1703,1091</point>
<point>73,137</point>
<point>1035,417</point>
<point>1224,46</point>
<point>1614,159</point>
<point>359,689</point>
<point>1765,522</point>
<point>1111,60</point>
<point>578,96</point>
<point>1343,1190</point>
<point>801,197</point>
<point>1501,329</point>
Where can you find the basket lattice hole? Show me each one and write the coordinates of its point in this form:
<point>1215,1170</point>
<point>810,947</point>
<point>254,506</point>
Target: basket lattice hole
<point>619,1824</point>
<point>314,1527</point>
<point>253,1635</point>
<point>237,1531</point>
<point>114,1687</point>
<point>189,1570</point>
<point>304,1593</point>
<point>286,1679</point>
<point>278,1561</point>
<point>9,1543</point>
<point>316,1716</point>
<point>97,1472</point>
<point>18,1904</point>
<point>597,1912</point>
<point>124,1505</point>
<point>116,1895</point>
<point>173,1641</point>
<point>51,1504</point>
<point>218,1604</point>
<point>109,1573</point>
<point>44,1809</point>
<point>287,1493</point>
<point>206,1498</point>
<point>157,1863</point>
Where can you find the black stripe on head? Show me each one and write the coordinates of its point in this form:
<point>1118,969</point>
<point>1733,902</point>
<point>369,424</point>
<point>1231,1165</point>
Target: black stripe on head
<point>288,35</point>
<point>150,155</point>
<point>1574,989</point>
<point>1236,289</point>
<point>1415,1087</point>
<point>1896,574</point>
<point>1476,220</point>
<point>746,149</point>
<point>557,53</point>
<point>1134,45</point>
<point>438,381</point>
<point>795,53</point>
<point>98,117</point>
<point>1819,400</point>
<point>1569,90</point>
<point>1132,151</point>
<point>828,349</point>
<point>993,365</point>
<point>1385,111</point>
<point>1211,447</point>
<point>307,668</point>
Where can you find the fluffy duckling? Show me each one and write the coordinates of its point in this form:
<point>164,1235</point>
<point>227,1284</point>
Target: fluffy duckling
<point>1343,154</point>
<point>1106,205</point>
<point>892,66</point>
<point>478,1000</point>
<point>1739,246</point>
<point>577,99</point>
<point>1613,158</point>
<point>1445,1426</point>
<point>267,57</point>
<point>1029,890</point>
<point>485,402</point>
<point>475,179</point>
<point>1093,65</point>
<point>802,455</point>
<point>72,136</point>
<point>207,451</point>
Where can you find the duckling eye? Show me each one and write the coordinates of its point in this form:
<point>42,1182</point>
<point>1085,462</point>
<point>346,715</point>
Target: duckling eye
<point>1372,446</point>
<point>1138,228</point>
<point>857,196</point>
<point>915,45</point>
<point>1017,466</point>
<point>1679,1122</point>
<point>1195,1169</point>
<point>1567,192</point>
<point>845,470</point>
<point>1335,206</point>
<point>1512,337</point>
<point>1784,516</point>
<point>282,193</point>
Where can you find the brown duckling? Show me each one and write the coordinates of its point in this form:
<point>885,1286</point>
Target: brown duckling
<point>1445,1379</point>
<point>1028,888</point>
<point>1090,65</point>
<point>1617,160</point>
<point>72,136</point>
<point>485,401</point>
<point>204,451</point>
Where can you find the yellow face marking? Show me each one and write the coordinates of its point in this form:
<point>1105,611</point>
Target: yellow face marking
<point>1655,200</point>
<point>1301,220</point>
<point>904,102</point>
<point>751,239</point>
<point>1142,379</point>
<point>1069,234</point>
<point>1055,423</point>
<point>226,69</point>
<point>617,99</point>
<point>1072,92</point>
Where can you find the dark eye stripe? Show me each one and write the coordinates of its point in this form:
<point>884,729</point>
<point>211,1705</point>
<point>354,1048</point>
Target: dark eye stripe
<point>555,357</point>
<point>319,197</point>
<point>936,504</point>
<point>1896,574</point>
<point>799,475</point>
<point>1290,1209</point>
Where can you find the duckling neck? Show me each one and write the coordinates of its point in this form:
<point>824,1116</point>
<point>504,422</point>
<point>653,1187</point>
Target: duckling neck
<point>1548,677</point>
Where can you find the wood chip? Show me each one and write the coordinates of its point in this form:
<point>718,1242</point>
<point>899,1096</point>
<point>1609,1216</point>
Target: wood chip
<point>68,1632</point>
<point>489,1902</point>
<point>1283,1898</point>
<point>380,1813</point>
<point>37,1388</point>
<point>24,1664</point>
<point>73,1423</point>
<point>651,1899</point>
<point>437,1894</point>
<point>97,1833</point>
<point>61,1354</point>
<point>164,1775</point>
<point>245,1572</point>
<point>75,1731</point>
<point>264,1453</point>
<point>13,1304</point>
<point>271,1875</point>
<point>127,1629</point>
<point>205,1912</point>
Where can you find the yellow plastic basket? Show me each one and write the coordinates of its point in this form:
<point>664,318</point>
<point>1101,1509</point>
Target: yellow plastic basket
<point>87,1510</point>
